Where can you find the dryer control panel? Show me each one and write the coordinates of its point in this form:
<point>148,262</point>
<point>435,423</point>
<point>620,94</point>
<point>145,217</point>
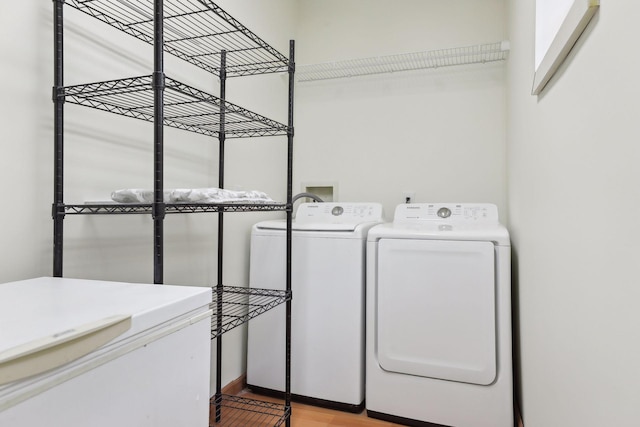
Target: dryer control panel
<point>472,213</point>
<point>343,213</point>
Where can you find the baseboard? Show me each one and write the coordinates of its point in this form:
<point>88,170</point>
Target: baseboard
<point>236,386</point>
<point>414,423</point>
<point>328,404</point>
<point>401,420</point>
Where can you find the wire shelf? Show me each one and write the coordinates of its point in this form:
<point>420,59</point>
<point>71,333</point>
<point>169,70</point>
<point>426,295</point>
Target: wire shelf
<point>170,208</point>
<point>185,107</point>
<point>484,53</point>
<point>239,411</point>
<point>194,30</point>
<point>239,305</point>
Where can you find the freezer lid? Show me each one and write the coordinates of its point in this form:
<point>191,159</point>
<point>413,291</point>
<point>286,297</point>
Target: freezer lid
<point>41,315</point>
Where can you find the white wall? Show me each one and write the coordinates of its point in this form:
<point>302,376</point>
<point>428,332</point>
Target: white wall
<point>573,207</point>
<point>25,219</point>
<point>440,133</point>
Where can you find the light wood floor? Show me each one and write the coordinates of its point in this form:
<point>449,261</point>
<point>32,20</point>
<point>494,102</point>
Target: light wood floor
<point>312,416</point>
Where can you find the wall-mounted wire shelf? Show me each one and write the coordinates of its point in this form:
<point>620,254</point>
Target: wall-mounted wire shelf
<point>239,411</point>
<point>170,208</point>
<point>239,305</point>
<point>185,107</point>
<point>194,30</point>
<point>477,54</point>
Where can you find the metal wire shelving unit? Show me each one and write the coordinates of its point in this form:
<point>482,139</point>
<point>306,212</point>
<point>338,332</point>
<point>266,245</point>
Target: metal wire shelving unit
<point>242,304</point>
<point>185,107</point>
<point>194,30</point>
<point>170,208</point>
<point>476,54</point>
<point>202,34</point>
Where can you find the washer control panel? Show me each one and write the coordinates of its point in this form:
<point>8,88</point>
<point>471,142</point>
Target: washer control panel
<point>338,212</point>
<point>447,212</point>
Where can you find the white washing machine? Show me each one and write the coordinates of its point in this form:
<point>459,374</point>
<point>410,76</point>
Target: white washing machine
<point>438,349</point>
<point>328,286</point>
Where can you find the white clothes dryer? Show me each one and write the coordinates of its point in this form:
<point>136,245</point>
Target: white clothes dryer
<point>438,347</point>
<point>328,286</point>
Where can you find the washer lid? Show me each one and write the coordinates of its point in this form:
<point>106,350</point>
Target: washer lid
<point>281,224</point>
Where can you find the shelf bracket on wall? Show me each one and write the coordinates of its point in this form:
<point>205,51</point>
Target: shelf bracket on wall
<point>477,54</point>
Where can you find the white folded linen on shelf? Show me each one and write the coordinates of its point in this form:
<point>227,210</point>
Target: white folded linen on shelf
<point>134,195</point>
<point>191,195</point>
<point>217,195</point>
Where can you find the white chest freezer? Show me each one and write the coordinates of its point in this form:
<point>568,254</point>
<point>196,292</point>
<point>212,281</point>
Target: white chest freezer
<point>83,352</point>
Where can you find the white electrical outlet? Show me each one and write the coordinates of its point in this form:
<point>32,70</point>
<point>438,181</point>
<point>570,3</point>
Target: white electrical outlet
<point>408,196</point>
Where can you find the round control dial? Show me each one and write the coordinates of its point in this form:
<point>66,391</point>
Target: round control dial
<point>444,212</point>
<point>337,211</point>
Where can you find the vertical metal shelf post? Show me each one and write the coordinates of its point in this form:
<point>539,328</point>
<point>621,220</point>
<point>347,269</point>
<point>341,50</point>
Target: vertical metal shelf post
<point>158,212</point>
<point>57,209</point>
<point>290,133</point>
<point>221,139</point>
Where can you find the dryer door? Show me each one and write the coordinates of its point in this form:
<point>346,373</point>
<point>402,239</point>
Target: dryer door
<point>436,309</point>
